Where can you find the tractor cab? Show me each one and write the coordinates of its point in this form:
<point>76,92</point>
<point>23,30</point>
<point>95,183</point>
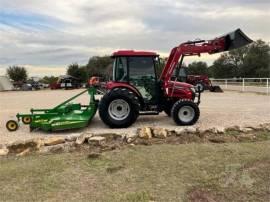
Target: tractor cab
<point>138,69</point>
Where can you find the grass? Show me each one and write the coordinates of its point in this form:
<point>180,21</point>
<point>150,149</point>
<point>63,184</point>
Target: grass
<point>186,172</point>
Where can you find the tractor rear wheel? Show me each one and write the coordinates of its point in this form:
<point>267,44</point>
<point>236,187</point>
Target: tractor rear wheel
<point>185,112</point>
<point>119,108</point>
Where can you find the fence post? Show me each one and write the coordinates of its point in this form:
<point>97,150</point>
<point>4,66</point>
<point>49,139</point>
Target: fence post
<point>267,86</point>
<point>243,84</point>
<point>226,83</point>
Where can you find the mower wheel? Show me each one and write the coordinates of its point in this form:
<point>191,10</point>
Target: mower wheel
<point>12,125</point>
<point>200,87</point>
<point>27,120</point>
<point>119,108</point>
<point>185,112</point>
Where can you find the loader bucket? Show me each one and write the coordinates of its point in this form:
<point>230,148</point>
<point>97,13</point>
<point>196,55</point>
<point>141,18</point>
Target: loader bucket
<point>216,89</point>
<point>235,39</point>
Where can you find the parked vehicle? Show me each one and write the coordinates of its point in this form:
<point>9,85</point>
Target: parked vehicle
<point>66,82</point>
<point>201,82</point>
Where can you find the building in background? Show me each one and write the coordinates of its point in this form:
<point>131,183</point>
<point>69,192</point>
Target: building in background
<point>5,84</point>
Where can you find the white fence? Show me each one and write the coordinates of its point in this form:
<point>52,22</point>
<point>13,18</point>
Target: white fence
<point>259,85</point>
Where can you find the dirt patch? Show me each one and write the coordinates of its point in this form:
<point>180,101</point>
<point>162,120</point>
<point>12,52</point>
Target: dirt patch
<point>198,195</point>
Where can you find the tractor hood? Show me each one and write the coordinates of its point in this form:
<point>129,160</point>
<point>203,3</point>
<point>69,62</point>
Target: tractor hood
<point>177,84</point>
<point>233,40</point>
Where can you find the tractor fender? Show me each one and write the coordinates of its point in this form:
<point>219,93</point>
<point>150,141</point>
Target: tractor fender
<point>113,85</point>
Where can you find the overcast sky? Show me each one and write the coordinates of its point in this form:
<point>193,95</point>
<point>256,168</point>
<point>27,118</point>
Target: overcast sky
<point>47,35</point>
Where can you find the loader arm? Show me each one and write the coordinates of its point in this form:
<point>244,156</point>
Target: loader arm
<point>233,40</point>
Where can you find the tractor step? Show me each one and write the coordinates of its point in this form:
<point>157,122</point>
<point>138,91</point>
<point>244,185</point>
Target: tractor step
<point>149,113</point>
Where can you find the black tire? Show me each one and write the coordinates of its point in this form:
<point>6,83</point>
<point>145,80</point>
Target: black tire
<point>129,98</point>
<point>12,125</point>
<point>168,108</point>
<point>26,120</point>
<point>200,87</point>
<point>167,111</point>
<point>189,117</point>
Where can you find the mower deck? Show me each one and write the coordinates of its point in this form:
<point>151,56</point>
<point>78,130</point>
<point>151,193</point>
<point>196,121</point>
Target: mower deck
<point>62,117</point>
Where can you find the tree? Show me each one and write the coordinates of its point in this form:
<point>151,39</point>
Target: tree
<point>77,71</point>
<point>17,74</point>
<point>100,66</point>
<point>49,79</point>
<point>198,68</point>
<point>257,60</point>
<point>249,61</point>
<point>221,68</point>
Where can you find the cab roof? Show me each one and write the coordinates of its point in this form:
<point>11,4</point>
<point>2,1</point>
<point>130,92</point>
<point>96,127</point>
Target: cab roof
<point>133,53</point>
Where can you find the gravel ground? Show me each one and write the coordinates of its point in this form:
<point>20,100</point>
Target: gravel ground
<point>217,110</point>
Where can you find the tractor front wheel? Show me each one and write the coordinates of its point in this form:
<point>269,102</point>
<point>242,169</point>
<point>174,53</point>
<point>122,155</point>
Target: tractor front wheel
<point>119,108</point>
<point>200,87</point>
<point>185,112</point>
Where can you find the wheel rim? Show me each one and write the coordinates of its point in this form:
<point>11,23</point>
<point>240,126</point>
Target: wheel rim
<point>119,109</point>
<point>12,126</point>
<point>186,114</point>
<point>27,119</point>
<point>199,86</point>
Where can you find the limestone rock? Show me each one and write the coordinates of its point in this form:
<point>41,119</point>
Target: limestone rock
<point>66,147</point>
<point>3,151</point>
<point>179,131</point>
<point>54,141</point>
<point>246,130</point>
<point>220,130</point>
<point>83,138</point>
<point>72,138</point>
<point>97,140</point>
<point>190,129</point>
<point>160,133</point>
<point>265,126</point>
<point>145,133</point>
<point>131,137</point>
<point>233,128</point>
<point>25,152</point>
<point>215,130</point>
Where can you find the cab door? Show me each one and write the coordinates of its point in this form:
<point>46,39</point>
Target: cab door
<point>142,75</point>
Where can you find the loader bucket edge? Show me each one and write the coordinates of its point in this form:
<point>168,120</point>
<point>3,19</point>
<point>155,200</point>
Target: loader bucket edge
<point>235,39</point>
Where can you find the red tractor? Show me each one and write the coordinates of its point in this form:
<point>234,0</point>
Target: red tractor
<point>200,82</point>
<point>136,90</point>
